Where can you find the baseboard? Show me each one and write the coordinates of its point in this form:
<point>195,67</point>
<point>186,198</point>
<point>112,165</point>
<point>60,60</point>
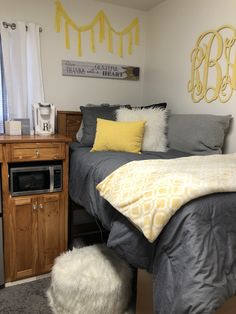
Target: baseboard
<point>19,282</point>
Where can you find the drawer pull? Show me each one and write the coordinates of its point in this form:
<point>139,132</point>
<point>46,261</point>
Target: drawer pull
<point>37,153</point>
<point>41,206</point>
<point>34,206</point>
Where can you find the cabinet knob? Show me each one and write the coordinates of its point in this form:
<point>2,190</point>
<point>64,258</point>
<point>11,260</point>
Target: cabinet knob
<point>34,206</point>
<point>37,153</point>
<point>41,206</point>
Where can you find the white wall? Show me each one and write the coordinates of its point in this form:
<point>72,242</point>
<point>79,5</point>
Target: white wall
<point>167,37</point>
<point>67,93</point>
<point>172,30</point>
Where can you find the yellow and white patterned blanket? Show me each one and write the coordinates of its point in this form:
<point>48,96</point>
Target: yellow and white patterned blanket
<point>149,192</point>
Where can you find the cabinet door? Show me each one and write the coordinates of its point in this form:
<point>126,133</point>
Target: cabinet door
<point>24,237</point>
<point>51,229</point>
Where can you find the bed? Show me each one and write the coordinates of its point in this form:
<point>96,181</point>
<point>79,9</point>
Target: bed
<point>193,261</point>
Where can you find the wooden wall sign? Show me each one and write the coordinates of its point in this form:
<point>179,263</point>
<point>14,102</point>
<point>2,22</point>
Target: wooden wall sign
<point>99,70</point>
<point>213,69</point>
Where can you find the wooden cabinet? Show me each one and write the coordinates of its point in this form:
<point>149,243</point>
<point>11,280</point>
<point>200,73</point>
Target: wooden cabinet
<point>51,233</point>
<point>38,233</point>
<point>68,122</point>
<point>35,226</point>
<point>23,237</point>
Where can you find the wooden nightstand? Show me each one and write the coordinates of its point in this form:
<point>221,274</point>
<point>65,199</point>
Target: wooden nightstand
<point>35,226</point>
<point>68,123</point>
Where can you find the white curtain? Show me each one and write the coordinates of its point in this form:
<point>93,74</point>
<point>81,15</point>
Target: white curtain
<point>22,67</point>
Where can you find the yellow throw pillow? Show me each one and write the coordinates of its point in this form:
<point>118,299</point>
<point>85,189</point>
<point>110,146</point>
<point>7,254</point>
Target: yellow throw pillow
<point>118,136</point>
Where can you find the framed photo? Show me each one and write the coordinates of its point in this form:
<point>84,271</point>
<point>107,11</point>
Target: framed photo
<point>25,126</point>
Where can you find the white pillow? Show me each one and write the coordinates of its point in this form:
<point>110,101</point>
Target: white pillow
<point>154,139</point>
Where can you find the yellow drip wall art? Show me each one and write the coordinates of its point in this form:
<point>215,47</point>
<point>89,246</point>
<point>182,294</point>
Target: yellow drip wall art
<point>106,31</point>
<point>213,65</point>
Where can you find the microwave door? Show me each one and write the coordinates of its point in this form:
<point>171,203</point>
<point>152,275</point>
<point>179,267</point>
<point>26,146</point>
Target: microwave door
<point>30,180</point>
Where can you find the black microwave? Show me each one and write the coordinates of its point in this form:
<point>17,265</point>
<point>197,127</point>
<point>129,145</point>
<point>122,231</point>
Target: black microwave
<point>35,179</point>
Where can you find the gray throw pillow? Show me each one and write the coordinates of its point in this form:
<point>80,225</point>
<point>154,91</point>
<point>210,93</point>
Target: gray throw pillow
<point>90,115</point>
<point>197,134</point>
<point>161,105</point>
<point>79,133</point>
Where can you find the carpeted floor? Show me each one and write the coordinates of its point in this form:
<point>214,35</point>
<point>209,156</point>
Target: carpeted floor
<point>27,298</point>
<point>30,298</point>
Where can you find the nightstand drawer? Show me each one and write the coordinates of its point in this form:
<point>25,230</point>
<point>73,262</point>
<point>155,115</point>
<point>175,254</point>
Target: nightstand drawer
<point>36,151</point>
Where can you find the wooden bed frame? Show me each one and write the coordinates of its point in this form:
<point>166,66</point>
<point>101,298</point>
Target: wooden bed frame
<point>68,123</point>
<point>144,302</point>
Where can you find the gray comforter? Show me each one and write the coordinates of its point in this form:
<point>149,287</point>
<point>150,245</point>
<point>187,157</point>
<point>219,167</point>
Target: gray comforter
<point>193,261</point>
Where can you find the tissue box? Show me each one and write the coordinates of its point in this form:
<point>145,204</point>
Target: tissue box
<point>13,127</point>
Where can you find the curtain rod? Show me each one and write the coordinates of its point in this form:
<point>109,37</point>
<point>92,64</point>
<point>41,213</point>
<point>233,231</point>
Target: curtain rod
<point>13,26</point>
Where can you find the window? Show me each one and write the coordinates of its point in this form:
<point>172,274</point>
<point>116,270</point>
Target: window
<point>3,94</point>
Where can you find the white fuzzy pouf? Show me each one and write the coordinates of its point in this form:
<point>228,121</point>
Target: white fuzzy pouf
<point>90,280</point>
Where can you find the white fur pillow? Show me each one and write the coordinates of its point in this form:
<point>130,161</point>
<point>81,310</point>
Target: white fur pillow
<point>155,129</point>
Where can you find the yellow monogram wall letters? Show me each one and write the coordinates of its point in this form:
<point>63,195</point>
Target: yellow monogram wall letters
<point>213,71</point>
